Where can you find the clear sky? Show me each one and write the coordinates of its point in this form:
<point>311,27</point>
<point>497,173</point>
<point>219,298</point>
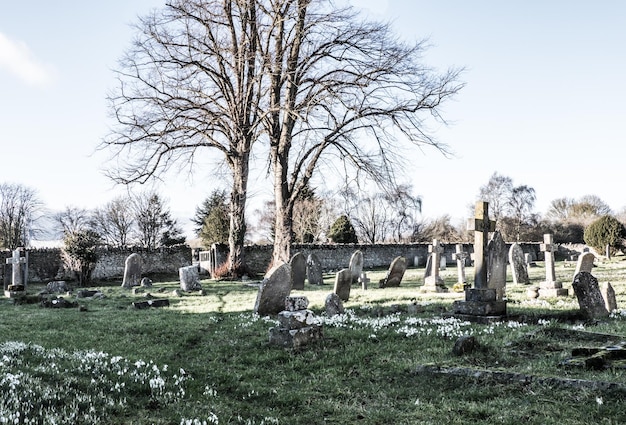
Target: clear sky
<point>544,101</point>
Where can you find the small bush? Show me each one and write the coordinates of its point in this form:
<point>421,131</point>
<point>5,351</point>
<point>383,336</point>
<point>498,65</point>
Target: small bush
<point>605,231</point>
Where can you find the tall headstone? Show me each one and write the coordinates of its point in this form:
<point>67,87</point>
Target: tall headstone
<point>519,268</point>
<point>608,293</point>
<point>273,290</point>
<point>550,287</point>
<point>298,270</point>
<point>496,265</point>
<point>356,265</point>
<point>460,256</point>
<point>585,262</point>
<point>480,301</point>
<point>343,282</point>
<point>589,296</point>
<point>132,271</point>
<point>432,281</point>
<point>314,270</point>
<point>394,274</point>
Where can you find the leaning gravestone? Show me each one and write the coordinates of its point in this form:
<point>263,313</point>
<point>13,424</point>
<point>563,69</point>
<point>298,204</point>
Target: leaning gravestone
<point>585,262</point>
<point>333,305</point>
<point>589,296</point>
<point>395,273</point>
<point>298,270</point>
<point>189,278</point>
<point>519,268</point>
<point>132,271</point>
<point>608,293</point>
<point>496,265</point>
<point>343,282</point>
<point>273,290</point>
<point>314,270</point>
<point>356,265</point>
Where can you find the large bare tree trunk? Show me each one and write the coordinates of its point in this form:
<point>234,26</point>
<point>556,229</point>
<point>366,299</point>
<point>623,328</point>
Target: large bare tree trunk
<point>283,224</point>
<point>239,166</point>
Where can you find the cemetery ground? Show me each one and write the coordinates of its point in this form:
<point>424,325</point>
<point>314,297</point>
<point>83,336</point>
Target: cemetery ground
<point>206,358</point>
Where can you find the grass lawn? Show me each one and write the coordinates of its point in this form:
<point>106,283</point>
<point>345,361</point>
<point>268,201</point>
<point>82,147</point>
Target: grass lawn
<point>205,359</point>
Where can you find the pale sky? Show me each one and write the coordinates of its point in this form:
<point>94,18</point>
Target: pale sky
<point>544,101</point>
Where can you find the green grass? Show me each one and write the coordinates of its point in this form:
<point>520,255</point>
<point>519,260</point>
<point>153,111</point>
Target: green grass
<point>117,365</point>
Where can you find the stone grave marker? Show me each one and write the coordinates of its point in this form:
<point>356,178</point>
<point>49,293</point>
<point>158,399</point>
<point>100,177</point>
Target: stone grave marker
<point>57,286</point>
<point>297,327</point>
<point>460,256</point>
<point>343,283</point>
<point>394,274</point>
<point>273,290</point>
<point>519,268</point>
<point>550,287</point>
<point>189,276</point>
<point>132,271</point>
<point>496,265</point>
<point>364,280</point>
<point>480,301</point>
<point>432,281</point>
<point>298,270</point>
<point>589,296</point>
<point>608,293</point>
<point>333,305</point>
<point>314,270</point>
<point>585,262</point>
<point>146,282</point>
<point>356,265</point>
<point>19,274</point>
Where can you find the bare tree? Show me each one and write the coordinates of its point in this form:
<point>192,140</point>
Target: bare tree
<point>114,222</point>
<point>191,82</point>
<point>153,220</point>
<point>72,219</point>
<point>19,209</point>
<point>497,192</point>
<point>521,203</point>
<point>341,88</point>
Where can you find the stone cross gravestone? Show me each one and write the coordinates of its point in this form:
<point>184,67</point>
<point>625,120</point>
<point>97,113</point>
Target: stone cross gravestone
<point>432,280</point>
<point>132,270</point>
<point>343,283</point>
<point>519,268</point>
<point>314,270</point>
<point>19,271</point>
<point>589,296</point>
<point>550,287</point>
<point>585,262</point>
<point>480,301</point>
<point>460,256</point>
<point>356,265</point>
<point>273,290</point>
<point>394,274</point>
<point>496,265</point>
<point>298,270</point>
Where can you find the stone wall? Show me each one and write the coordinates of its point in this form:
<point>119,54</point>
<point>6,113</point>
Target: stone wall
<point>47,264</point>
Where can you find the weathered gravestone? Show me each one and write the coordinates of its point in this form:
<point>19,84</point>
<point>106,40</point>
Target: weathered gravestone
<point>608,293</point>
<point>132,271</point>
<point>314,270</point>
<point>19,274</point>
<point>519,268</point>
<point>189,276</point>
<point>460,257</point>
<point>496,265</point>
<point>298,270</point>
<point>589,296</point>
<point>297,327</point>
<point>394,274</point>
<point>550,287</point>
<point>333,305</point>
<point>585,262</point>
<point>273,290</point>
<point>432,281</point>
<point>343,282</point>
<point>57,286</point>
<point>356,265</point>
<point>480,301</point>
<point>146,282</point>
